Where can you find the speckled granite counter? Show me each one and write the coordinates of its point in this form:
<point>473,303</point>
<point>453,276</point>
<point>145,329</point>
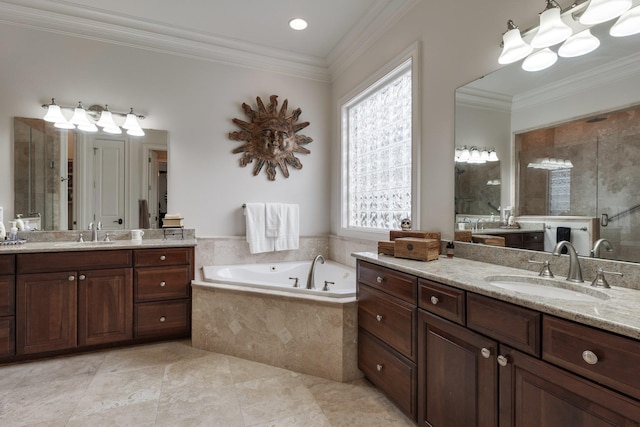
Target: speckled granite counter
<point>507,230</point>
<point>618,314</point>
<point>30,247</point>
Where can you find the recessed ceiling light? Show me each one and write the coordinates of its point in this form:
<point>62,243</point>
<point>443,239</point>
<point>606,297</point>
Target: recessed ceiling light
<point>298,24</point>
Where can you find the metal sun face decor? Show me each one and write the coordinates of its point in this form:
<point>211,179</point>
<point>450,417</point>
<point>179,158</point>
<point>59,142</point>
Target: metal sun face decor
<point>271,137</point>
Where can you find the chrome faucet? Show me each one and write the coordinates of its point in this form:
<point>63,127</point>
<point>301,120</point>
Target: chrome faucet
<point>575,272</point>
<point>310,280</point>
<point>94,227</point>
<point>595,252</point>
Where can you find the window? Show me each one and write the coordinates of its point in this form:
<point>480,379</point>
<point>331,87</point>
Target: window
<point>378,153</point>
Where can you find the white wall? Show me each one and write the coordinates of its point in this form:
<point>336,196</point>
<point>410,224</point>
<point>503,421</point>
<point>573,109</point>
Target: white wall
<point>193,100</point>
<point>460,42</point>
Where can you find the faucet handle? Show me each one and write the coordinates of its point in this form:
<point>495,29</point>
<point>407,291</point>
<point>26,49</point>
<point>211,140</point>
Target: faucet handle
<point>107,237</point>
<point>80,238</point>
<point>326,285</point>
<point>600,281</point>
<point>546,268</point>
<point>295,283</point>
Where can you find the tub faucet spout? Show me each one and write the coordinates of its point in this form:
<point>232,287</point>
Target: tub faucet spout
<point>575,272</point>
<point>311,280</point>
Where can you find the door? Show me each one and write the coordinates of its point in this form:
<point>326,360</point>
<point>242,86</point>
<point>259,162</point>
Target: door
<point>458,375</point>
<point>46,312</point>
<point>105,306</point>
<point>109,178</point>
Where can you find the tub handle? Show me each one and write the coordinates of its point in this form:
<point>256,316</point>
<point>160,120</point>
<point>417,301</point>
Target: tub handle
<point>295,284</point>
<point>326,285</point>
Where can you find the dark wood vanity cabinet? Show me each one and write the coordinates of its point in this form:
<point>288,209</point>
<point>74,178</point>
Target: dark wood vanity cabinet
<point>7,306</point>
<point>532,240</point>
<point>485,362</point>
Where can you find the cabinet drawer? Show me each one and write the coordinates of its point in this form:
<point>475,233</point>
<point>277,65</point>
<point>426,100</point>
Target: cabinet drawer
<point>162,283</point>
<point>7,264</point>
<point>154,319</point>
<point>534,237</point>
<point>392,282</point>
<point>564,343</point>
<point>388,318</point>
<point>48,262</point>
<point>442,300</point>
<point>7,295</point>
<point>7,337</point>
<point>162,257</point>
<point>389,371</point>
<point>512,325</point>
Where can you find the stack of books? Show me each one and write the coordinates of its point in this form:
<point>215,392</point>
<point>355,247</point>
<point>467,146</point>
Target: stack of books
<point>172,221</point>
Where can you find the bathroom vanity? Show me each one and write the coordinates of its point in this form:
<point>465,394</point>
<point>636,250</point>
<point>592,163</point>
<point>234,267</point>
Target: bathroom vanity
<point>450,350</point>
<point>65,297</point>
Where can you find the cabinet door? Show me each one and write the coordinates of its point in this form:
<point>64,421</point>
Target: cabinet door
<point>458,375</point>
<point>536,393</point>
<point>105,306</point>
<point>46,312</point>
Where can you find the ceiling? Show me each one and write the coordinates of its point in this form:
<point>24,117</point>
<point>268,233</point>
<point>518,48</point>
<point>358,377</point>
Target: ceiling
<point>246,32</point>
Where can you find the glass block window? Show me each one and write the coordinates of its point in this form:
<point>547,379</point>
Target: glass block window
<point>378,141</point>
<point>559,191</point>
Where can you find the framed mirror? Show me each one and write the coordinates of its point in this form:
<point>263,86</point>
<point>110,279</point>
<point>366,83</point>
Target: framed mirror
<point>64,180</point>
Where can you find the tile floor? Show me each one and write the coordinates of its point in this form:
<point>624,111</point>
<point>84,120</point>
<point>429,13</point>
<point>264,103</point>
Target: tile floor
<point>173,384</point>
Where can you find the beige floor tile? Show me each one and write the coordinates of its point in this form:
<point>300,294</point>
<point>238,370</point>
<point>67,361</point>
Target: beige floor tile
<point>61,422</point>
<point>115,390</point>
<point>311,419</point>
<point>182,350</point>
<point>246,370</point>
<point>11,375</point>
<point>62,367</point>
<point>134,414</point>
<point>211,370</point>
<point>137,357</point>
<point>366,411</point>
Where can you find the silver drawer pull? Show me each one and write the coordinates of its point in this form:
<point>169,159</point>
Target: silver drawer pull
<point>502,361</point>
<point>434,300</point>
<point>379,367</point>
<point>379,279</point>
<point>379,317</point>
<point>72,278</point>
<point>589,357</point>
<point>163,319</point>
<point>162,257</point>
<point>486,353</point>
<point>163,284</point>
<point>82,277</point>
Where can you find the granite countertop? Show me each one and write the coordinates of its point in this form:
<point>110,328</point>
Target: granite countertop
<point>507,231</point>
<point>30,247</point>
<point>619,313</point>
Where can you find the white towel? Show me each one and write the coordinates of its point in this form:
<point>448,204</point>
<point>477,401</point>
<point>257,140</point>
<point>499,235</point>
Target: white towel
<point>289,233</point>
<point>255,223</point>
<point>273,219</point>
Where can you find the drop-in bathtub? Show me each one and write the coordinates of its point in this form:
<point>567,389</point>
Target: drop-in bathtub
<point>253,311</point>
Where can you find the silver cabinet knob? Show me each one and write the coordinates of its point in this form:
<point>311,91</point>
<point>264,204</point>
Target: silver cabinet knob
<point>379,317</point>
<point>163,284</point>
<point>502,361</point>
<point>486,353</point>
<point>82,277</point>
<point>162,257</point>
<point>434,300</point>
<point>163,319</point>
<point>379,367</point>
<point>379,279</point>
<point>72,278</point>
<point>589,357</point>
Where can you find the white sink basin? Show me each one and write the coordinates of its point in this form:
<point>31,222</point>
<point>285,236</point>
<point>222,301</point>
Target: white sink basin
<point>548,288</point>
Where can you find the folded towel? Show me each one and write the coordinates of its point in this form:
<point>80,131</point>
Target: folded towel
<point>289,234</point>
<point>273,219</point>
<point>563,233</point>
<point>173,216</point>
<point>255,223</point>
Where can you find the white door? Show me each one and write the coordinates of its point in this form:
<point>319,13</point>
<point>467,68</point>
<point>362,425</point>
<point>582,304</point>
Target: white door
<point>108,186</point>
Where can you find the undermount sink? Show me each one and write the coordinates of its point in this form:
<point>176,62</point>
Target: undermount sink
<point>81,244</point>
<point>547,288</point>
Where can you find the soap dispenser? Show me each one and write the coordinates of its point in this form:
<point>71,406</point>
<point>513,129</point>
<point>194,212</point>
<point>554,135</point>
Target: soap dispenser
<point>13,233</point>
<point>19,222</point>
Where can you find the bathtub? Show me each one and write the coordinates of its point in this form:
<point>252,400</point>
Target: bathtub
<point>277,276</point>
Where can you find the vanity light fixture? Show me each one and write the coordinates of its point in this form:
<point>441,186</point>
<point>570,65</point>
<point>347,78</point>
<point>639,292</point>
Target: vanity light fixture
<point>298,24</point>
<point>580,15</point>
<point>547,163</point>
<point>80,119</point>
<point>475,155</point>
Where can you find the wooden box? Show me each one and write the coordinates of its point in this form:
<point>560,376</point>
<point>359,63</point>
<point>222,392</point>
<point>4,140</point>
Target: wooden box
<point>462,236</point>
<point>416,248</point>
<point>418,234</point>
<point>386,248</point>
<point>488,239</point>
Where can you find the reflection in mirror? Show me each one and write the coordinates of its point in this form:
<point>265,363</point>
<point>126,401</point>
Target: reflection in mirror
<point>64,180</point>
<point>478,188</point>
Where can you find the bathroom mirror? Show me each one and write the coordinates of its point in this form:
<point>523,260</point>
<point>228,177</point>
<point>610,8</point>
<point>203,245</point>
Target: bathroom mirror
<point>65,179</point>
<point>587,106</point>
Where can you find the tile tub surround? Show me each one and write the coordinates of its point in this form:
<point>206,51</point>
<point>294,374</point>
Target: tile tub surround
<point>618,314</point>
<point>306,335</point>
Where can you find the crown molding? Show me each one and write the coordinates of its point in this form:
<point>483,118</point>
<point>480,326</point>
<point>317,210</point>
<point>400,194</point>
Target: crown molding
<point>92,24</point>
<point>484,99</point>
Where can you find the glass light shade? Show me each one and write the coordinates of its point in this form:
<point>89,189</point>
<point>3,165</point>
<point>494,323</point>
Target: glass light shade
<point>106,120</point>
<point>298,24</point>
<point>64,125</point>
<point>88,128</point>
<point>540,60</point>
<point>628,24</point>
<point>579,44</point>
<point>135,131</point>
<point>493,156</point>
<point>484,155</point>
<point>514,47</point>
<point>80,117</point>
<point>465,155</point>
<point>475,157</point>
<point>112,129</point>
<point>54,114</point>
<point>131,122</point>
<point>552,29</point>
<point>604,10</point>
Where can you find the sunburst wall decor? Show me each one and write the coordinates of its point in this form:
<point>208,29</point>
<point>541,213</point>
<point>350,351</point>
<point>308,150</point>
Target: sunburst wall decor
<point>270,137</point>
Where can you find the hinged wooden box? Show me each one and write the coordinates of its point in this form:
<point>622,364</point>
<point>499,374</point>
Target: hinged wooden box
<point>386,248</point>
<point>416,248</point>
